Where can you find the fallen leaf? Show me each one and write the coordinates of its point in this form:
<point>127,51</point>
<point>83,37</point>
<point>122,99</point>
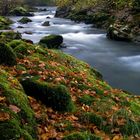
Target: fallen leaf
<point>14,108</point>
<point>4,116</point>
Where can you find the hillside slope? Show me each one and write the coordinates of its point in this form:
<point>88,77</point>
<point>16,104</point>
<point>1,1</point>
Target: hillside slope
<point>68,99</point>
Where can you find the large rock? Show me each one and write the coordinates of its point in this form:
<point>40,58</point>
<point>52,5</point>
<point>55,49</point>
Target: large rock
<point>46,23</point>
<point>62,12</point>
<point>52,41</point>
<point>20,11</point>
<point>119,33</point>
<point>25,20</point>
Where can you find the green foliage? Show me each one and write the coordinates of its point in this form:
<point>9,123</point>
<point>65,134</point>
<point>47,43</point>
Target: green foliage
<point>55,96</point>
<point>52,41</point>
<point>14,43</point>
<point>81,136</point>
<point>7,56</point>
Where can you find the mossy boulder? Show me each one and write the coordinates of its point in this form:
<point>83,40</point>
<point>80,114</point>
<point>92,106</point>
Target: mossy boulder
<point>20,11</point>
<point>55,96</point>
<point>7,55</point>
<point>16,117</point>
<point>46,23</point>
<point>4,23</point>
<point>21,48</point>
<point>52,41</point>
<point>119,33</point>
<point>25,20</point>
<point>81,136</point>
<point>11,35</point>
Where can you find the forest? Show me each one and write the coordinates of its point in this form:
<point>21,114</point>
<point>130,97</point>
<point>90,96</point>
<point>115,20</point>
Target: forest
<point>69,69</point>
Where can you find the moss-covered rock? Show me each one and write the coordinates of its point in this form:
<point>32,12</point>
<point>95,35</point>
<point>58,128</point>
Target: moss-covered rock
<point>81,136</point>
<point>16,117</point>
<point>4,23</point>
<point>55,96</point>
<point>25,20</point>
<point>11,35</point>
<point>7,55</point>
<point>20,11</point>
<point>52,41</point>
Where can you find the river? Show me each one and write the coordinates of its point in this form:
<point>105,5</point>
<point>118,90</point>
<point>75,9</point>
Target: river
<point>119,62</point>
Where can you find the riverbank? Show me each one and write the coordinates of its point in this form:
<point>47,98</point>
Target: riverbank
<point>63,97</point>
<point>121,20</point>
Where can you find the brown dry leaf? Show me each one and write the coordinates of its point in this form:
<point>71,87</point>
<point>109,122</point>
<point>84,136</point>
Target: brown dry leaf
<point>115,108</point>
<point>117,137</point>
<point>73,118</point>
<point>2,99</point>
<point>14,108</point>
<point>4,116</point>
<point>121,121</point>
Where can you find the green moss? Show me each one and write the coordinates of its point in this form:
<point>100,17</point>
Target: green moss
<point>7,56</point>
<point>25,20</point>
<point>86,99</point>
<point>81,136</point>
<point>52,41</point>
<point>11,35</point>
<point>4,23</point>
<point>14,126</point>
<point>130,126</point>
<point>20,11</point>
<point>55,96</point>
<point>14,43</point>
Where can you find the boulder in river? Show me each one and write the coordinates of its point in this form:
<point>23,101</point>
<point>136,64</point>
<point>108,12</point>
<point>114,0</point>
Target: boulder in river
<point>52,41</point>
<point>46,23</point>
<point>20,11</point>
<point>119,33</point>
<point>25,20</point>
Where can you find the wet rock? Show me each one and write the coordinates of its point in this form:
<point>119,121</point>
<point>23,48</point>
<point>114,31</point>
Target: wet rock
<point>119,32</point>
<point>46,23</point>
<point>52,41</point>
<point>25,20</point>
<point>20,11</point>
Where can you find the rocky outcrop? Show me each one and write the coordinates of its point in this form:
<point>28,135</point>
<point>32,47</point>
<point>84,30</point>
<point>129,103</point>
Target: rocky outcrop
<point>119,33</point>
<point>25,20</point>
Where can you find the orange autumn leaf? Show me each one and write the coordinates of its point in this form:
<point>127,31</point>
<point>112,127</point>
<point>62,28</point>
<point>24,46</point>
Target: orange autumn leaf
<point>4,116</point>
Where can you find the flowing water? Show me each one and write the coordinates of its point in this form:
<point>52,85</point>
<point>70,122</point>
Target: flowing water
<point>119,62</point>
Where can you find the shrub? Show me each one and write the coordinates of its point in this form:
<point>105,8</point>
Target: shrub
<point>52,41</point>
<point>7,56</point>
<point>55,96</point>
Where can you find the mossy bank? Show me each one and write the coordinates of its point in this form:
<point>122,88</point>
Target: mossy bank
<point>47,94</point>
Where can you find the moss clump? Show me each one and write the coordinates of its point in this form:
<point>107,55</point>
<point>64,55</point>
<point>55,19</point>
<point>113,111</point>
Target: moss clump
<point>7,56</point>
<point>81,136</point>
<point>52,41</point>
<point>86,99</point>
<point>4,23</point>
<point>16,117</point>
<point>14,43</point>
<point>11,35</point>
<point>25,20</point>
<point>55,96</point>
<point>92,118</point>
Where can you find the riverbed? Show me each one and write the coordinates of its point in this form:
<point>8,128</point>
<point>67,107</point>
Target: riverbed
<point>119,62</point>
